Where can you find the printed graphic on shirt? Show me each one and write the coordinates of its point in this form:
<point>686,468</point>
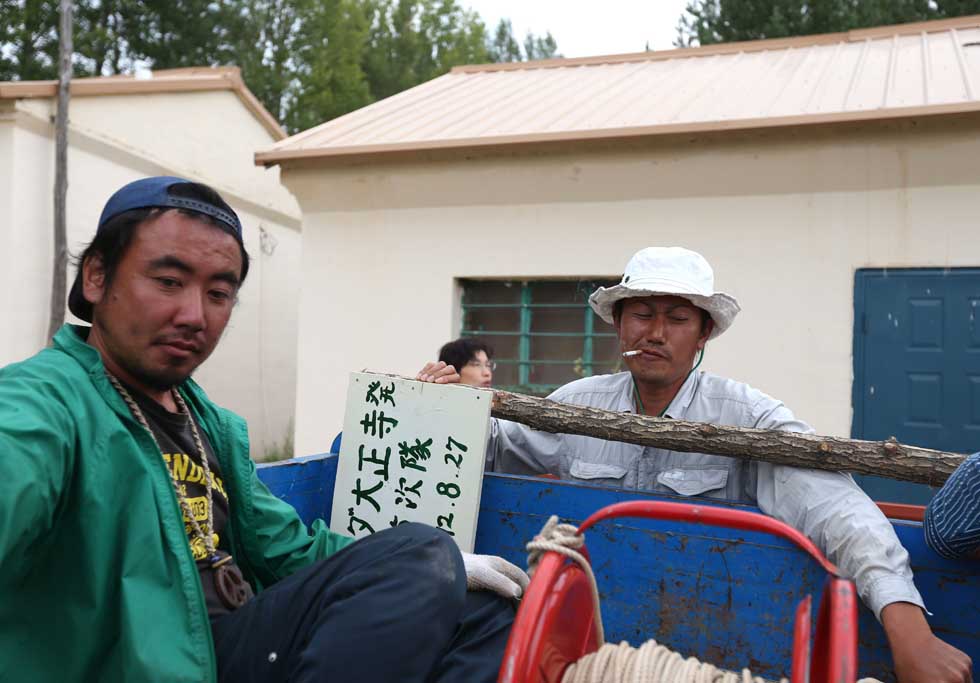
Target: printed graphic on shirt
<point>191,482</point>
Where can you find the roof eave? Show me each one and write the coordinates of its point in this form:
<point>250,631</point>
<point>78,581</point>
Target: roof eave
<point>226,79</point>
<point>375,152</point>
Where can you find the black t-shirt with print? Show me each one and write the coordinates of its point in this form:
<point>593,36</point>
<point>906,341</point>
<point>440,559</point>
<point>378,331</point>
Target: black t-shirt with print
<point>173,433</point>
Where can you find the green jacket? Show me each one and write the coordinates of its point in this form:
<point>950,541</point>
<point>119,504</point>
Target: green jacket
<point>96,575</point>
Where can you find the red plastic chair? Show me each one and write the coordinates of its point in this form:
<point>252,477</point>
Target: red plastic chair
<point>555,624</point>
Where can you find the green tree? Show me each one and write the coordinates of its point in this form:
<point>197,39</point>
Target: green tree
<point>412,41</point>
<point>503,46</point>
<point>540,47</point>
<point>265,38</point>
<point>28,39</point>
<point>301,58</point>
<point>100,48</point>
<point>179,33</point>
<point>306,60</point>
<point>717,21</point>
<point>326,77</point>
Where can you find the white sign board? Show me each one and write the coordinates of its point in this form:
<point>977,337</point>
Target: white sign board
<point>411,452</point>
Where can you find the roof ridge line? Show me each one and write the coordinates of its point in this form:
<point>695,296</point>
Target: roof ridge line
<point>851,36</point>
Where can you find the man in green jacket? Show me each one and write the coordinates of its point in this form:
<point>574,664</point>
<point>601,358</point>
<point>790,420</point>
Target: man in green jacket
<point>137,543</point>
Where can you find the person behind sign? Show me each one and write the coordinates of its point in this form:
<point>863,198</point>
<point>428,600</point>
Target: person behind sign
<point>136,541</point>
<point>473,357</point>
<point>665,310</point>
<point>952,519</point>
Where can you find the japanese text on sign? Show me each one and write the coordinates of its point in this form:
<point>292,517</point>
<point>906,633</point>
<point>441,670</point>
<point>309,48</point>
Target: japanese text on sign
<point>411,452</point>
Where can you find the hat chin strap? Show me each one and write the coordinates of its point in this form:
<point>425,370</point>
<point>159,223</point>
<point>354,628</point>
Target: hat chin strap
<point>700,358</point>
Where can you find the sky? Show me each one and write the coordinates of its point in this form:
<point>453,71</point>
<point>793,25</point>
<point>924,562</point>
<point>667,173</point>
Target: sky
<point>587,28</point>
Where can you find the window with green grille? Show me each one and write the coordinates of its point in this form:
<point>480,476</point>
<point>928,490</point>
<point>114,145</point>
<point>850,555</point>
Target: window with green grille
<point>543,332</point>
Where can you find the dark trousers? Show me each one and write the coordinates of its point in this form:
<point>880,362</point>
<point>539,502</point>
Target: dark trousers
<point>391,607</point>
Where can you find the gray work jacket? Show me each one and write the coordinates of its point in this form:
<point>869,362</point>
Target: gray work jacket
<point>828,507</point>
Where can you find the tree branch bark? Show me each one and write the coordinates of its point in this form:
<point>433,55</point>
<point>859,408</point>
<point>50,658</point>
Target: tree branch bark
<point>880,458</point>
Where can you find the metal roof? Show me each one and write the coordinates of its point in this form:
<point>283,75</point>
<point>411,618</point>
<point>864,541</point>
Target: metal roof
<point>920,69</point>
<point>163,81</point>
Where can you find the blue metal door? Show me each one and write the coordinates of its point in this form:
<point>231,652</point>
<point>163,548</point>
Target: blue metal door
<point>916,365</point>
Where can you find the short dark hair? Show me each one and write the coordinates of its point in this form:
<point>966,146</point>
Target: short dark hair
<point>461,351</point>
<point>705,316</point>
<point>115,235</point>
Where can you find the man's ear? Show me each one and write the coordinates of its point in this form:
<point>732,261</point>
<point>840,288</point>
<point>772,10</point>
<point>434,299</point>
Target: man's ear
<point>93,279</point>
<point>706,329</point>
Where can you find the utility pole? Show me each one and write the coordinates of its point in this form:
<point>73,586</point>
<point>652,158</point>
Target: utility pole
<point>59,277</point>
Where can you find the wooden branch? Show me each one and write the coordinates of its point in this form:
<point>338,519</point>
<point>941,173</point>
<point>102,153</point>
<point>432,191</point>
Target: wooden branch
<point>59,265</point>
<point>880,458</point>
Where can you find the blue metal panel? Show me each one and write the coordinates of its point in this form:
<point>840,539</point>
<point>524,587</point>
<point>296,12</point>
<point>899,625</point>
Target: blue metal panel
<point>724,596</point>
<point>305,483</point>
<point>916,365</point>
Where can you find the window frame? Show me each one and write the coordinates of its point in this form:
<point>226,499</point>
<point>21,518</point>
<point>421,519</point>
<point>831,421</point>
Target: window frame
<point>526,308</point>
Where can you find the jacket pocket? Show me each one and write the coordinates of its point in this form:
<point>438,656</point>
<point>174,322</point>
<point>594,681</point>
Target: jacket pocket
<point>597,473</point>
<point>693,482</point>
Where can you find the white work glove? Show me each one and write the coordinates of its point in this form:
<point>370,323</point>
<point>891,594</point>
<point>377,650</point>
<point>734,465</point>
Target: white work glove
<point>492,573</point>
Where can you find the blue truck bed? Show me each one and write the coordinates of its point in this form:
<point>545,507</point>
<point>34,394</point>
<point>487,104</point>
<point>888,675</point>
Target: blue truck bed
<point>724,596</point>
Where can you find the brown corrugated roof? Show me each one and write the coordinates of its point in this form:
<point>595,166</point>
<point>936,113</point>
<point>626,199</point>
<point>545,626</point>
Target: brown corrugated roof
<point>163,81</point>
<point>921,69</point>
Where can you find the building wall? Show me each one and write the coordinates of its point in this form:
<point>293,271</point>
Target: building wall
<point>253,369</point>
<point>7,206</point>
<point>219,145</point>
<point>27,242</point>
<point>785,217</point>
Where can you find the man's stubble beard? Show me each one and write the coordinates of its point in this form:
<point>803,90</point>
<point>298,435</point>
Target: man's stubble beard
<point>164,380</point>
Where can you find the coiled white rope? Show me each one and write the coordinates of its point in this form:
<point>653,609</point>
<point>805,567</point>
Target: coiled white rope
<point>651,662</point>
<point>564,539</point>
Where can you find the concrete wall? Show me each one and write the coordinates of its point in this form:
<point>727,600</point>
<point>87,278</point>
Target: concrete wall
<point>113,140</point>
<point>217,138</point>
<point>785,217</point>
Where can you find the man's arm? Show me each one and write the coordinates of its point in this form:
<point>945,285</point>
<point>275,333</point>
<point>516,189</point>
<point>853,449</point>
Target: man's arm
<point>919,655</point>
<point>277,541</point>
<point>952,521</point>
<point>36,462</point>
<point>834,513</point>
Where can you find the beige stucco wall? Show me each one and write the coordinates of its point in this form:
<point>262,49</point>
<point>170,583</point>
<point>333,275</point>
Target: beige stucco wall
<point>219,145</point>
<point>785,217</point>
<point>113,140</point>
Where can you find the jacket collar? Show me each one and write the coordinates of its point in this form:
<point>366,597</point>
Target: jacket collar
<point>71,339</point>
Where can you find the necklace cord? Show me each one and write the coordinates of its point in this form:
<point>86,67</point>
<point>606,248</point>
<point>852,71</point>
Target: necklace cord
<point>206,539</point>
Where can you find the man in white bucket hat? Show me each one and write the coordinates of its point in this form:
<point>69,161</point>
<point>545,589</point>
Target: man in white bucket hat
<point>665,310</point>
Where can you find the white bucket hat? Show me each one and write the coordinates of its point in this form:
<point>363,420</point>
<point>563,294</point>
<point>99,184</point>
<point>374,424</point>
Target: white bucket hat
<point>672,271</point>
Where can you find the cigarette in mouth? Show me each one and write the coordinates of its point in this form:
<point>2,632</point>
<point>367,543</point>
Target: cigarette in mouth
<point>628,354</point>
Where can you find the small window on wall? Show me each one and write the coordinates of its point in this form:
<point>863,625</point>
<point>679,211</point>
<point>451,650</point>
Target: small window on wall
<point>543,333</point>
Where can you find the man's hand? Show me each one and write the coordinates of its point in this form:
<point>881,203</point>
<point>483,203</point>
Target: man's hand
<point>492,573</point>
<point>919,656</point>
<point>438,372</point>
